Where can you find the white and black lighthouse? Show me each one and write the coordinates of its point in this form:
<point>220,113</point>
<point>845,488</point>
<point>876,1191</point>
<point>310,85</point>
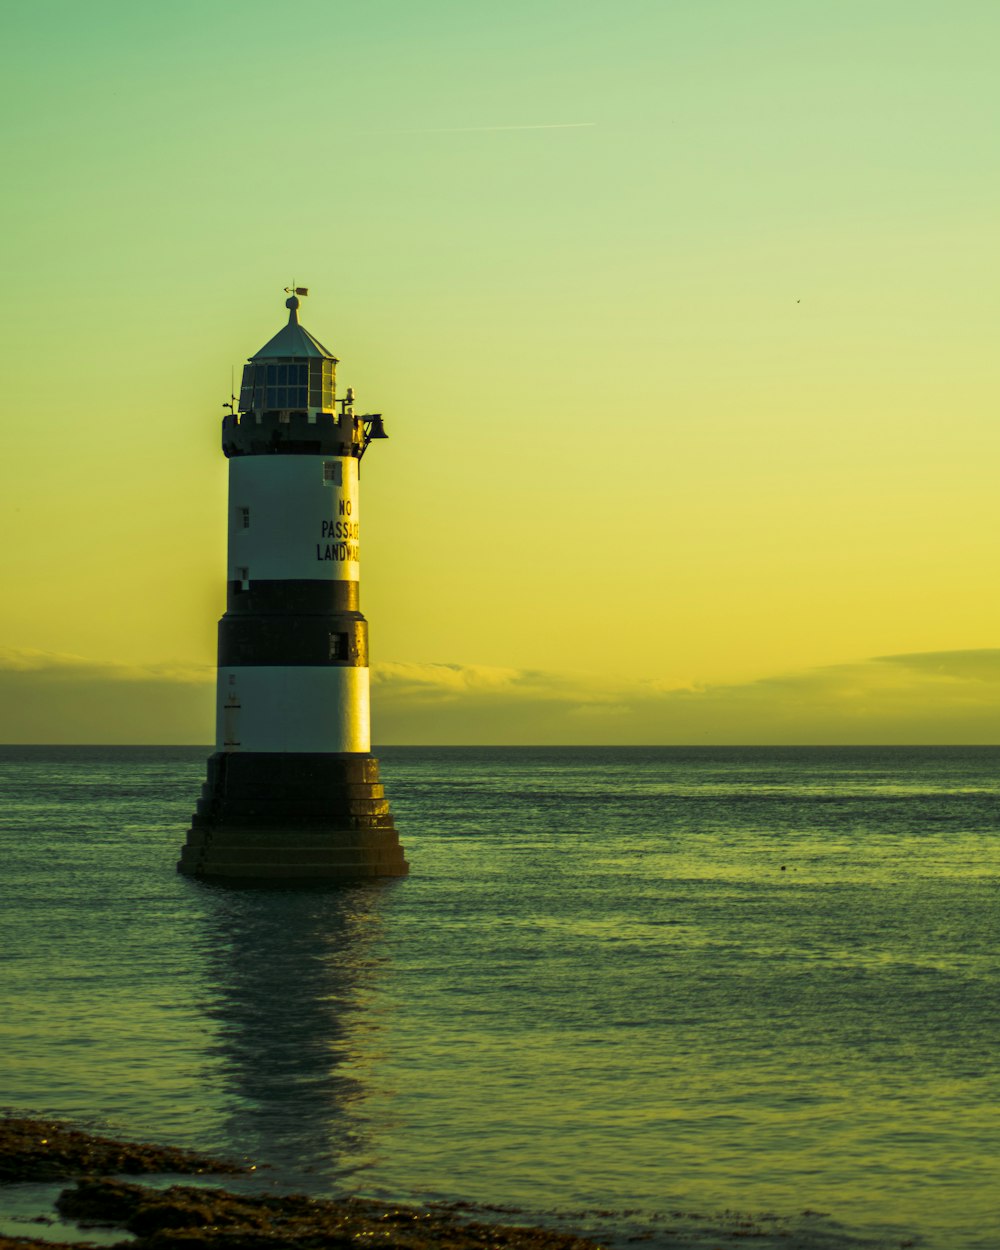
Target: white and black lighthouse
<point>293,791</point>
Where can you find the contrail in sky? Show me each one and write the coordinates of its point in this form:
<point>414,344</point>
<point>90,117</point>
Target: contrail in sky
<point>462,130</point>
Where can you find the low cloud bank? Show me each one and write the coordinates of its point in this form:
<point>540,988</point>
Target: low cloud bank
<point>50,697</point>
<point>936,697</point>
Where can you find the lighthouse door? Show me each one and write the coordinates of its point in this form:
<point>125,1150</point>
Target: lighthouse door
<point>231,722</point>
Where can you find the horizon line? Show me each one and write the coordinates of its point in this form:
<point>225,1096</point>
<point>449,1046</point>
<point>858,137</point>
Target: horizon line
<point>559,746</point>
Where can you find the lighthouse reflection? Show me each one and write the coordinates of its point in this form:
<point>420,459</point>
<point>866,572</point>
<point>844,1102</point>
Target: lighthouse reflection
<point>292,977</point>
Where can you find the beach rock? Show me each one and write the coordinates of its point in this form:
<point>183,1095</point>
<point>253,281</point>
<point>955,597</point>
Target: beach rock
<point>186,1217</point>
<point>46,1150</point>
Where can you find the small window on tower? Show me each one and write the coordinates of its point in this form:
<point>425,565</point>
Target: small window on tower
<point>244,518</point>
<point>333,473</point>
<point>243,577</point>
<point>338,647</point>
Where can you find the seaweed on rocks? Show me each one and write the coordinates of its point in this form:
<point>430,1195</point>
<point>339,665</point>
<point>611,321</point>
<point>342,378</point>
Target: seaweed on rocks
<point>186,1217</point>
<point>48,1150</point>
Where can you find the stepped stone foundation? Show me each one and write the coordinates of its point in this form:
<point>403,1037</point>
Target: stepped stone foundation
<point>292,818</point>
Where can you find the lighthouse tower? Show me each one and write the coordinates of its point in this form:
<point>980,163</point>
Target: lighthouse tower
<point>293,790</point>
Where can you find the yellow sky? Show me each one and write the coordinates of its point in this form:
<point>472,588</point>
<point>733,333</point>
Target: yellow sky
<point>681,317</point>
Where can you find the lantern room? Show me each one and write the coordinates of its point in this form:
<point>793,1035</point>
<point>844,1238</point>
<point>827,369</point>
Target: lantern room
<point>293,372</point>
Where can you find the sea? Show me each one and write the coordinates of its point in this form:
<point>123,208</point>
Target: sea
<point>682,997</point>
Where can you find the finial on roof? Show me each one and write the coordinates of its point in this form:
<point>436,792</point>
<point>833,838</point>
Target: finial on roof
<point>292,303</point>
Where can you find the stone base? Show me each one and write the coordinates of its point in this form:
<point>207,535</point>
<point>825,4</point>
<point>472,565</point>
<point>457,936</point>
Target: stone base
<point>292,818</point>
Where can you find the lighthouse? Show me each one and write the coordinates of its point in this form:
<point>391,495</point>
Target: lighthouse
<point>293,790</point>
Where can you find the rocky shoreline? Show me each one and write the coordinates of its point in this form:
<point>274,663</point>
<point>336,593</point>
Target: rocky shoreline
<point>186,1217</point>
<point>48,1150</point>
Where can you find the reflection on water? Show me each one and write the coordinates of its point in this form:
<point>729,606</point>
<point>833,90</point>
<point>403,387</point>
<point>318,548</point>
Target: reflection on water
<point>290,979</point>
<point>641,978</point>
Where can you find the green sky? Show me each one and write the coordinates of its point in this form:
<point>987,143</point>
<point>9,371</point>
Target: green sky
<point>680,314</point>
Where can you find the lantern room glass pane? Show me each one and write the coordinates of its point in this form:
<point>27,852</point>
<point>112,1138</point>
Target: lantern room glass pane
<point>246,389</point>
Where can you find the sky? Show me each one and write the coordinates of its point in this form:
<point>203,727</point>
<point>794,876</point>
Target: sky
<point>680,314</point>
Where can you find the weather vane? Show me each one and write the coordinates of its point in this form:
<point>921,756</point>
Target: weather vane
<point>296,290</point>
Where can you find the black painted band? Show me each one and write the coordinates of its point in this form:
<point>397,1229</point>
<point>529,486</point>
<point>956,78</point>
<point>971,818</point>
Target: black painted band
<point>338,640</point>
<point>268,434</point>
<point>313,773</point>
<point>291,597</point>
<point>259,790</point>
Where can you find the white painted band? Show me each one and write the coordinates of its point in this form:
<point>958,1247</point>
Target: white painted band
<point>293,517</point>
<point>293,709</point>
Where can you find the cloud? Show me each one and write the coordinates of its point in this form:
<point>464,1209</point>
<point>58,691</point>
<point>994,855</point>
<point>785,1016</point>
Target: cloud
<point>468,130</point>
<point>52,697</point>
<point>436,681</point>
<point>936,697</point>
<point>981,665</point>
<point>62,666</point>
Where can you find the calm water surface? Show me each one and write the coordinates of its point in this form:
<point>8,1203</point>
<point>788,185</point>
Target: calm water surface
<point>651,979</point>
